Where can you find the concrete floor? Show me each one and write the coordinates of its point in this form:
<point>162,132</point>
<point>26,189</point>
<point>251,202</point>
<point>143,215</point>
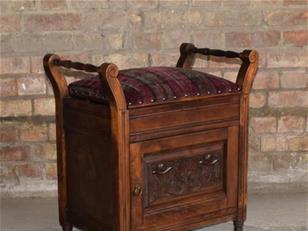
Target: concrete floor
<point>265,213</point>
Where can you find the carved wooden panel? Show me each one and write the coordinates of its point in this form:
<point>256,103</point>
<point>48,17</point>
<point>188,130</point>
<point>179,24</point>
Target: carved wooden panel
<point>182,172</point>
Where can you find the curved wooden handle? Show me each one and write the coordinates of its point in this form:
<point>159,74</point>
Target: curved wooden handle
<point>247,70</point>
<point>108,73</point>
<point>208,160</point>
<point>76,65</point>
<point>188,48</point>
<point>161,169</point>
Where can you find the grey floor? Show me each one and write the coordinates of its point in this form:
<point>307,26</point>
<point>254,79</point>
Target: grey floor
<point>265,213</point>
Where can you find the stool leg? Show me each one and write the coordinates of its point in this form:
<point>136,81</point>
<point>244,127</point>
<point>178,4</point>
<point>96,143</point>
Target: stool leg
<point>238,225</point>
<point>67,227</point>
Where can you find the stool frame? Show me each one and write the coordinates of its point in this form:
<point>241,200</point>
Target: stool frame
<point>125,194</point>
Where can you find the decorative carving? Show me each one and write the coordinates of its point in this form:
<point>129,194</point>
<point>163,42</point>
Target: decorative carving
<point>185,175</point>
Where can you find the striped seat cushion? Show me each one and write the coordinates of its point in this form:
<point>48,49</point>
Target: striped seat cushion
<point>155,84</point>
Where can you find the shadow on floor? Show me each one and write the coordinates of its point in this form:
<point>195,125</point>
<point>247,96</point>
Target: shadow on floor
<point>277,212</point>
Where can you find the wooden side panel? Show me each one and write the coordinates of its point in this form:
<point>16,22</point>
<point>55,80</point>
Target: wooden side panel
<point>89,166</point>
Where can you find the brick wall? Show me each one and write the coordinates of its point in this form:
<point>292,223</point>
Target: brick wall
<point>148,32</point>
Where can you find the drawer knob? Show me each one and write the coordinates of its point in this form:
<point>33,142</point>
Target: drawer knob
<point>137,190</point>
<point>161,169</point>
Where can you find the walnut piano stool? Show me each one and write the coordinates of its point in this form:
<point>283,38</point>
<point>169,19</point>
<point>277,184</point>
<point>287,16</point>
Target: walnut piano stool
<point>154,148</point>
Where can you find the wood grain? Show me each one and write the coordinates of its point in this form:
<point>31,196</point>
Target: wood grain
<point>172,166</point>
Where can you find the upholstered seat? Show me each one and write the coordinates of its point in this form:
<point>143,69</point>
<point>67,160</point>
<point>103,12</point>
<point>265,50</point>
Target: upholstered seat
<point>155,84</point>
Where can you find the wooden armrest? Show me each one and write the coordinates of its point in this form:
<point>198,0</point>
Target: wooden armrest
<point>108,73</point>
<point>76,65</point>
<point>187,49</point>
<point>247,70</point>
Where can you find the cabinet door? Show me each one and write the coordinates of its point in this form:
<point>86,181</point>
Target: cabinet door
<point>178,181</point>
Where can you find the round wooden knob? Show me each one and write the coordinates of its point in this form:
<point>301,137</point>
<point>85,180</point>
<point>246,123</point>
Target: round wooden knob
<point>137,190</point>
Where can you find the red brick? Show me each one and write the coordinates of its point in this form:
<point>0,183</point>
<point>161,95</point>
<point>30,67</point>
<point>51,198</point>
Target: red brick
<point>193,19</point>
<point>296,38</point>
<point>30,170</point>
<point>43,152</point>
<point>33,132</point>
<point>17,6</point>
<point>246,17</point>
<point>148,40</point>
<point>270,143</point>
<point>236,3</point>
<point>142,4</point>
<point>135,19</point>
<point>16,107</point>
<point>171,18</point>
<point>222,62</point>
<point>31,85</point>
<point>44,106</point>
<point>81,57</point>
<point>257,99</point>
<point>14,65</point>
<point>168,38</point>
<point>259,162</point>
<point>231,75</point>
<point>165,3</point>
<point>262,58</point>
<point>52,131</point>
<point>293,79</point>
<point>266,39</point>
<point>50,89</point>
<point>287,59</point>
<point>238,39</point>
<point>164,59</point>
<point>254,141</point>
<point>266,80</point>
<point>295,2</point>
<point>151,20</point>
<point>51,171</point>
<point>8,132</point>
<point>8,174</point>
<point>37,64</point>
<point>207,3</point>
<point>211,19</point>
<point>299,143</point>
<point>285,161</point>
<point>263,124</point>
<point>288,99</point>
<point>8,87</point>
<point>18,153</point>
<point>286,17</point>
<point>291,124</point>
<point>211,39</point>
<point>52,22</point>
<point>105,20</point>
<point>53,4</point>
<point>9,23</point>
<point>124,60</point>
<point>114,41</point>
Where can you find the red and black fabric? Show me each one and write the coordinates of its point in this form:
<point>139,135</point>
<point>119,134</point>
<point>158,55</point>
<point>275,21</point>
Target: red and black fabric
<point>155,84</point>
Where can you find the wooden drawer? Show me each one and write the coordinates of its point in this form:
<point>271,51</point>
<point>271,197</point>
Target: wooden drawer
<point>177,115</point>
<point>183,179</point>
